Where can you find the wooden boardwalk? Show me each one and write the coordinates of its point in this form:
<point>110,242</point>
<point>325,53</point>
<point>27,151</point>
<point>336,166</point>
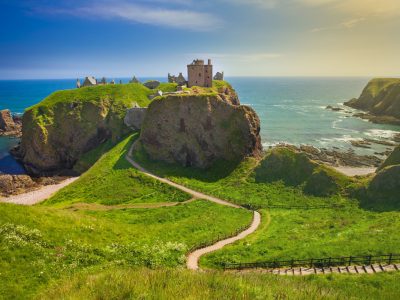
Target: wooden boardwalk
<point>299,271</point>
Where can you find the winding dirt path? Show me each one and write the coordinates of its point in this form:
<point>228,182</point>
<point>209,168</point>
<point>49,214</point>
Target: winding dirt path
<point>192,262</point>
<point>39,195</point>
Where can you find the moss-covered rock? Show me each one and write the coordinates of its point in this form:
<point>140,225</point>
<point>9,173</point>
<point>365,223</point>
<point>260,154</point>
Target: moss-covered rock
<point>65,125</point>
<point>296,169</point>
<point>198,129</point>
<point>393,159</point>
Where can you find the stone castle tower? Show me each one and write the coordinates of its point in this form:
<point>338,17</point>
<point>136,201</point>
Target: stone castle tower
<point>200,74</point>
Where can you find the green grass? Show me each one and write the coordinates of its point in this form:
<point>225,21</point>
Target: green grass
<point>318,233</point>
<point>112,180</point>
<point>238,183</point>
<point>181,284</point>
<point>84,227</point>
<point>126,94</point>
<point>38,244</point>
<point>291,233</point>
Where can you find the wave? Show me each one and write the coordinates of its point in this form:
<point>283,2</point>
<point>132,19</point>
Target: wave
<point>381,133</point>
<point>340,120</point>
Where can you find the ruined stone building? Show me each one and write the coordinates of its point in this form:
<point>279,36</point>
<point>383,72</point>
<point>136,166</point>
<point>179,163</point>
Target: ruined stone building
<point>180,80</point>
<point>219,76</point>
<point>200,74</point>
<point>89,81</point>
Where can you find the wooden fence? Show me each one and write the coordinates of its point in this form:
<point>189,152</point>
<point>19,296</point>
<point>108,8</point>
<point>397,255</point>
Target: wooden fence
<point>317,262</point>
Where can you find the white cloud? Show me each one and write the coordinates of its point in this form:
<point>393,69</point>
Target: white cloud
<point>154,14</point>
<point>343,25</point>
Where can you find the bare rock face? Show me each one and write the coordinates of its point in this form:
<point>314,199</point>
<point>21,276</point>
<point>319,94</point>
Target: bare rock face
<point>15,184</point>
<point>196,130</point>
<point>134,117</point>
<point>8,125</point>
<point>70,130</point>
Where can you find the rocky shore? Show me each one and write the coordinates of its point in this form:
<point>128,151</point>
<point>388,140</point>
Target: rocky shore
<point>18,184</point>
<point>337,158</point>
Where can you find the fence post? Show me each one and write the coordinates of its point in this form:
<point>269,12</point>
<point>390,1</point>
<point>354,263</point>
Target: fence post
<point>292,263</point>
<point>370,259</point>
<point>311,262</point>
<point>329,262</point>
<point>390,258</point>
<point>350,259</point>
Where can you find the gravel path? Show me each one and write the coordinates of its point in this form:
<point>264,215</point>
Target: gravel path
<point>39,195</point>
<point>192,262</point>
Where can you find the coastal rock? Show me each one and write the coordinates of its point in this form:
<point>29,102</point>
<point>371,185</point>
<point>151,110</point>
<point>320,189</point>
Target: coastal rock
<point>387,182</point>
<point>381,100</point>
<point>16,184</point>
<point>152,84</point>
<point>60,129</point>
<point>336,158</point>
<point>196,130</point>
<point>330,107</point>
<point>9,125</point>
<point>295,168</point>
<point>393,159</point>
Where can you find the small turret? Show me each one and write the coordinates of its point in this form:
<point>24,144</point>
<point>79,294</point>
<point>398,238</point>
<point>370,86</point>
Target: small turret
<point>78,83</point>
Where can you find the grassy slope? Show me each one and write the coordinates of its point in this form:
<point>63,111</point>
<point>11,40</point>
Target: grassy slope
<point>297,233</point>
<point>113,181</point>
<point>319,233</point>
<point>178,284</point>
<point>49,241</point>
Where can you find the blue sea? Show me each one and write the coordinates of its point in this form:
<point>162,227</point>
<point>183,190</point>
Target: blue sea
<point>291,110</point>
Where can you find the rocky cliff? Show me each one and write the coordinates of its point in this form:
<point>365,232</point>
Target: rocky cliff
<point>381,99</point>
<point>9,125</point>
<point>197,129</point>
<point>65,125</point>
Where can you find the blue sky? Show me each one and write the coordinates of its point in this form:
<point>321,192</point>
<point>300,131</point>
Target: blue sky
<point>118,38</point>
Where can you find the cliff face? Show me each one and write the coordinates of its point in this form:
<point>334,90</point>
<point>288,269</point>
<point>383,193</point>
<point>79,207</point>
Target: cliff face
<point>381,98</point>
<point>57,131</point>
<point>195,130</point>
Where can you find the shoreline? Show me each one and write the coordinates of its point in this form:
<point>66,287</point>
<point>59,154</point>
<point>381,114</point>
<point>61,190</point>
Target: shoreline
<point>39,195</point>
<point>355,171</point>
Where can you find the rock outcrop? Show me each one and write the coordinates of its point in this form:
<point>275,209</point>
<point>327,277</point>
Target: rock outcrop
<point>381,100</point>
<point>195,130</point>
<point>15,184</point>
<point>393,159</point>
<point>134,117</point>
<point>9,125</point>
<point>295,168</point>
<point>151,84</point>
<point>67,124</point>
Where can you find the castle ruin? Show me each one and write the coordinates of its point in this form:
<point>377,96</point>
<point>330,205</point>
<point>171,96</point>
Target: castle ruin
<point>200,74</point>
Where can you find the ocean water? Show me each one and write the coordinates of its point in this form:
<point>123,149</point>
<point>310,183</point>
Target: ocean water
<point>291,110</point>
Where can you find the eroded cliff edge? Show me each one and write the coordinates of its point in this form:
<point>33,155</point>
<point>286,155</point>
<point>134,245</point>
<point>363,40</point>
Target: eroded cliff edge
<point>60,129</point>
<point>381,101</point>
<point>196,130</point>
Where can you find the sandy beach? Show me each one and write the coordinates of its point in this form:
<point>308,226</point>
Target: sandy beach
<point>353,171</point>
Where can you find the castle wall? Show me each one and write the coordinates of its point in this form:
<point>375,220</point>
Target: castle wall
<point>200,74</point>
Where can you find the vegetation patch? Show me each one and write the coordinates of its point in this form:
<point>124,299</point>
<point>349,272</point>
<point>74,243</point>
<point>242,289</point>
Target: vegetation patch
<point>182,284</point>
<point>112,180</point>
<point>317,233</point>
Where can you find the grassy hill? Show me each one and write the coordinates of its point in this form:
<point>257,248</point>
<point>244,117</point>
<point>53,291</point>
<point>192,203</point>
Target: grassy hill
<point>299,229</point>
<point>93,224</point>
<point>381,98</point>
